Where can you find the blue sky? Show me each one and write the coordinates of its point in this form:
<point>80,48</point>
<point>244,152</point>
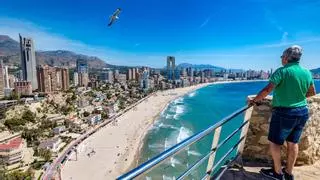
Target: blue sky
<point>248,34</point>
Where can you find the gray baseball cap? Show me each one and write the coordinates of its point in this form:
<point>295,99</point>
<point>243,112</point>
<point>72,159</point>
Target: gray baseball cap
<point>293,53</point>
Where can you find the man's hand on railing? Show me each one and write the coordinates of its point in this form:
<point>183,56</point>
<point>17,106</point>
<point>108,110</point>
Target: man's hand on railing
<point>253,102</point>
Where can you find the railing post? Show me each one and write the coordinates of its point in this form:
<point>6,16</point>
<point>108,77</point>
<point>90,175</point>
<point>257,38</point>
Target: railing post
<point>245,129</point>
<point>215,142</point>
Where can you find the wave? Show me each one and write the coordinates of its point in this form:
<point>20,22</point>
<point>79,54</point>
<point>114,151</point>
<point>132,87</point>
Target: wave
<point>168,126</point>
<point>192,94</point>
<point>180,109</point>
<point>174,162</point>
<point>178,101</point>
<point>184,133</point>
<point>176,137</point>
<point>168,116</point>
<point>164,177</point>
<point>155,146</point>
<point>194,153</point>
<point>148,178</point>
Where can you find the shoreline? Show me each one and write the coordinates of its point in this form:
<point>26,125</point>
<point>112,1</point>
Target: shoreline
<point>135,163</point>
<point>139,150</point>
<point>118,145</point>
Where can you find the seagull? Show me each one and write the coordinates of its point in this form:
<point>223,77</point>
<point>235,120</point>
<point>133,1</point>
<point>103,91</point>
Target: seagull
<point>114,16</point>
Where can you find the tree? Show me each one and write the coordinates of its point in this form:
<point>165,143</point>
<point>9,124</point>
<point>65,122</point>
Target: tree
<point>121,104</point>
<point>29,116</point>
<point>109,95</point>
<point>69,100</point>
<point>14,123</point>
<point>86,114</point>
<point>66,109</point>
<point>45,154</point>
<point>74,96</point>
<point>3,169</point>
<point>39,110</point>
<point>18,175</point>
<point>104,115</point>
<point>46,124</point>
<point>15,96</point>
<point>31,135</point>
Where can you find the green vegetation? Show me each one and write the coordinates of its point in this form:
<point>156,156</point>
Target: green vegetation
<point>29,116</point>
<point>45,154</point>
<point>109,95</point>
<point>17,175</point>
<point>104,115</point>
<point>37,164</point>
<point>66,109</point>
<point>32,136</point>
<point>38,110</point>
<point>15,124</point>
<point>46,124</point>
<point>121,103</point>
<point>86,114</point>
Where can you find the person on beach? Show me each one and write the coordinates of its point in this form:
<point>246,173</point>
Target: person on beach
<point>291,85</point>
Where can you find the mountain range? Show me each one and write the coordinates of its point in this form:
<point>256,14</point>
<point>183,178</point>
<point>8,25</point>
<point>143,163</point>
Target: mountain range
<point>10,54</point>
<point>200,66</point>
<point>316,71</point>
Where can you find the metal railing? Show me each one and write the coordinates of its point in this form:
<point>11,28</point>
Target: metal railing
<point>216,128</point>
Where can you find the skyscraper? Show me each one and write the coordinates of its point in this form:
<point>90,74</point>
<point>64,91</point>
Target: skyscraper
<point>134,74</point>
<point>1,81</point>
<point>184,72</point>
<point>110,76</point>
<point>129,74</point>
<point>63,78</point>
<point>28,61</point>
<point>47,79</point>
<point>75,78</point>
<point>144,83</point>
<point>6,77</point>
<point>171,65</point>
<point>116,74</point>
<point>83,79</point>
<point>82,66</point>
<point>83,70</point>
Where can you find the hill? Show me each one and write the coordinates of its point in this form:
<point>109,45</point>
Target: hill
<point>10,54</point>
<point>200,66</point>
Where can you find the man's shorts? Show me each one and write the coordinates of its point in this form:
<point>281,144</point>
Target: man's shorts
<point>287,124</point>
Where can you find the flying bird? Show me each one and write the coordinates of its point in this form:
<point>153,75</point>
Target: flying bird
<point>114,16</point>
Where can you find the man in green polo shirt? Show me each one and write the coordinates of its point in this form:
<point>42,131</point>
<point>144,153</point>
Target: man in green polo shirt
<point>292,84</point>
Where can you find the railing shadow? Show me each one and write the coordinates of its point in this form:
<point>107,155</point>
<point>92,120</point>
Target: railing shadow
<point>241,174</point>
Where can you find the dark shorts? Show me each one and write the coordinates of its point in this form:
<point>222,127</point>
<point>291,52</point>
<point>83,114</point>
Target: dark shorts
<point>287,124</point>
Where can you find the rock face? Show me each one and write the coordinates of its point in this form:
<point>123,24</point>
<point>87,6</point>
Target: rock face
<point>256,145</point>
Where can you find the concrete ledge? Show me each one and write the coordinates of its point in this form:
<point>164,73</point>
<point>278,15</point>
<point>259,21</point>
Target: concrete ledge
<point>256,145</point>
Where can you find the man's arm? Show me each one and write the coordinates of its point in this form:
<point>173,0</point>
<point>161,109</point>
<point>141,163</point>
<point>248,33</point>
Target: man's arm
<point>311,91</point>
<point>263,93</point>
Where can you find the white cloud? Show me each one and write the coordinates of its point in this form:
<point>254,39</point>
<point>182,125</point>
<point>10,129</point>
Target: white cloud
<point>205,22</point>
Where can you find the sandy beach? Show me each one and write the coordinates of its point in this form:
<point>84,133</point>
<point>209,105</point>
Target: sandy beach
<point>114,149</point>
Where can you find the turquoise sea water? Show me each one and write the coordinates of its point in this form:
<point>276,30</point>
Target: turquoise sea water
<point>193,113</point>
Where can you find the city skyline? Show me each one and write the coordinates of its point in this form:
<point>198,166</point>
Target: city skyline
<point>222,35</point>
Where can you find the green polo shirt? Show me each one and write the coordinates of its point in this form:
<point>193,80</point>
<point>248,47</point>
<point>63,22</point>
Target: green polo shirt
<point>291,85</point>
